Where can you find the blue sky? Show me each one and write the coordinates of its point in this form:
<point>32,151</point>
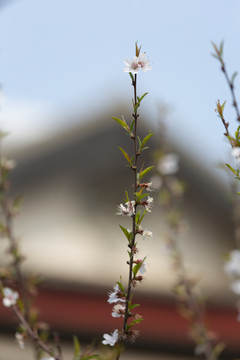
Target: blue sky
<point>60,56</point>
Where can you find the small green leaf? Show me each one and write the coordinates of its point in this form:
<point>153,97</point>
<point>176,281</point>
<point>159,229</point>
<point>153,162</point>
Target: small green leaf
<point>120,122</point>
<point>136,106</point>
<point>131,126</point>
<point>144,172</point>
<point>223,105</point>
<point>146,139</point>
<point>120,285</point>
<point>125,154</point>
<point>141,218</point>
<point>137,217</point>
<point>139,142</point>
<point>233,170</point>
<point>127,234</point>
<point>77,348</point>
<point>136,269</point>
<point>141,98</point>
<point>221,48</point>
<point>233,76</point>
<point>131,76</point>
<point>215,56</point>
<point>142,196</point>
<point>136,321</point>
<point>133,306</point>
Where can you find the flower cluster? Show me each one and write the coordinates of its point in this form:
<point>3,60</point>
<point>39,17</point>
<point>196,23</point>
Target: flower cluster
<point>136,63</point>
<point>116,297</point>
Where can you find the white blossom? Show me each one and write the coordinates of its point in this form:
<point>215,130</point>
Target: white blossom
<point>143,62</point>
<point>168,164</point>
<point>49,358</point>
<point>143,269</point>
<point>136,63</point>
<point>235,286</point>
<point>236,155</point>
<point>147,233</point>
<point>8,164</point>
<point>148,203</point>
<point>114,295</point>
<point>9,297</point>
<point>200,349</point>
<point>128,210</point>
<point>20,340</point>
<point>118,310</point>
<point>232,265</point>
<point>131,65</point>
<point>156,182</point>
<point>110,339</point>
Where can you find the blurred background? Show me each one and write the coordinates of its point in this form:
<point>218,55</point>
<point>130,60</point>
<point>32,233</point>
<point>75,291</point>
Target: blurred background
<point>61,72</point>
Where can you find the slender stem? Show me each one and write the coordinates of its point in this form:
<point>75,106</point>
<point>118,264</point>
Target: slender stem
<point>192,302</point>
<point>23,316</point>
<point>32,334</point>
<point>231,86</point>
<point>198,320</point>
<point>132,245</point>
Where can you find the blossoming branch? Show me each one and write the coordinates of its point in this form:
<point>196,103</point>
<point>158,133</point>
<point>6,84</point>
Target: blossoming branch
<point>135,208</point>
